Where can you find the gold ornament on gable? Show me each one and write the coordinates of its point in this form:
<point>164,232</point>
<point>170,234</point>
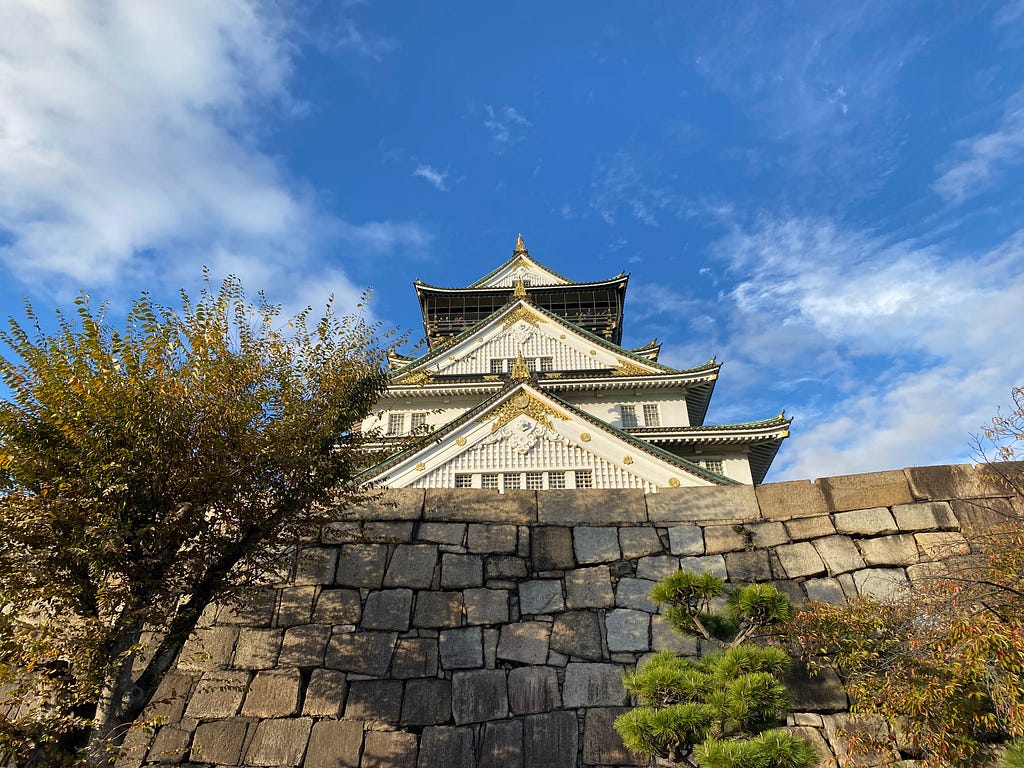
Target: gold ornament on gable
<point>523,404</point>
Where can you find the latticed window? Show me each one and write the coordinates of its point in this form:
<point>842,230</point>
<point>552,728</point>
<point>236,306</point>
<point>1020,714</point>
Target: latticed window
<point>396,424</point>
<point>489,481</point>
<point>534,481</point>
<point>556,479</point>
<point>463,481</point>
<point>418,420</point>
<point>628,416</point>
<point>584,478</point>
<point>497,365</point>
<point>652,416</point>
<point>510,480</point>
<point>547,363</point>
<point>713,465</point>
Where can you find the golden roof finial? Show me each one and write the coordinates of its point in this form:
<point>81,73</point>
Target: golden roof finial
<point>520,370</point>
<point>520,290</point>
<point>520,245</point>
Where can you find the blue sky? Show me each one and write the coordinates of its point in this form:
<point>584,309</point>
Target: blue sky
<point>825,195</point>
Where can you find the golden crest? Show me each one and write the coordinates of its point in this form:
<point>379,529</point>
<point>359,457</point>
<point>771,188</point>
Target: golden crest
<point>460,441</point>
<point>673,482</point>
<point>414,378</point>
<point>584,437</point>
<point>627,460</point>
<point>522,313</point>
<point>626,368</point>
<point>420,467</point>
<point>522,404</point>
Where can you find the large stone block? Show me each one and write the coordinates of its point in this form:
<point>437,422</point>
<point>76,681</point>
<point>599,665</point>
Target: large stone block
<point>826,590</point>
<point>889,550</point>
<point>881,583</point>
<point>942,544</point>
<point>361,565</point>
<point>325,693</point>
<point>168,703</point>
<point>458,571</point>
<point>304,646</point>
<point>479,696</point>
<point>279,743</point>
<point>208,649</point>
<point>821,691</point>
<point>525,642</point>
<point>461,648</point>
<point>628,630</point>
<point>378,700</point>
<point>872,489</point>
<point>876,521</point>
<point>975,515</point>
<point>438,609</point>
<point>502,745</point>
<point>552,740</point>
<point>365,653</point>
<point>387,504</point>
<point>601,744</point>
<point>638,541</point>
<point>388,609</point>
<point>839,554</point>
<point>453,534</point>
<point>415,657</point>
<point>533,689</point>
<point>956,481</point>
<point>656,567</point>
<point>591,507</point>
<point>389,749</point>
<point>334,744</point>
<point>577,634</point>
<point>219,741</point>
<point>793,499</point>
<point>589,588</point>
<point>486,606</point>
<point>412,565</point>
<point>218,694</point>
<point>663,636</point>
<point>170,744</point>
<point>504,567</point>
<point>593,685</point>
<point>634,593</point>
<point>467,505</point>
<point>726,538</point>
<point>686,540</point>
<point>810,527</point>
<point>493,539</point>
<point>257,648</point>
<point>705,564</point>
<point>595,545</point>
<point>552,549</point>
<point>295,606</point>
<point>540,596</point>
<point>735,503</point>
<point>314,566</point>
<point>750,566</point>
<point>273,694</point>
<point>428,701</point>
<point>338,606</point>
<point>446,748</point>
<point>800,559</point>
<point>925,516</point>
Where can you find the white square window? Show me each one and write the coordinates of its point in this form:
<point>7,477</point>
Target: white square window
<point>556,479</point>
<point>463,481</point>
<point>396,424</point>
<point>497,365</point>
<point>713,465</point>
<point>584,478</point>
<point>628,413</point>
<point>652,416</point>
<point>489,481</point>
<point>547,363</point>
<point>418,420</point>
<point>534,481</point>
<point>510,480</point>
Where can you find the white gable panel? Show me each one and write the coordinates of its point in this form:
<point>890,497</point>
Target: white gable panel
<point>525,270</point>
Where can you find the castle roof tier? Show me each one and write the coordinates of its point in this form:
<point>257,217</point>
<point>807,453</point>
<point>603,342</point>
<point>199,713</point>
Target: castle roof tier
<point>567,405</point>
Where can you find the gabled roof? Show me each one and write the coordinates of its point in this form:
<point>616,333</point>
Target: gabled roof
<point>520,258</point>
<point>650,351</point>
<point>662,468</point>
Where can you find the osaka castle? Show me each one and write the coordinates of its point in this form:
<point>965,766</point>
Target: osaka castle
<point>525,384</point>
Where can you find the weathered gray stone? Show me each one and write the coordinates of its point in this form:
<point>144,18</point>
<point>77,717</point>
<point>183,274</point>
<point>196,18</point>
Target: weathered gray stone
<point>502,745</point>
<point>796,498</point>
<point>314,566</point>
<point>593,685</point>
<point>453,534</point>
<point>589,588</point>
<point>365,653</point>
<point>461,648</point>
<point>361,565</point>
<point>337,606</point>
<point>552,740</point>
<point>389,749</point>
<point>279,743</point>
<point>639,541</point>
<point>736,503</point>
<point>706,564</point>
<point>663,636</point>
<point>479,695</point>
<point>428,701</point>
<point>486,606</point>
<point>219,741</point>
<point>504,567</point>
<point>334,744</point>
<point>810,527</point>
<point>800,559</point>
<point>412,565</point>
<point>925,516</point>
<point>552,549</point>
<point>304,646</point>
<point>881,583</point>
<point>841,730</point>
<point>466,505</point>
<point>170,745</point>
<point>250,610</point>
<point>533,689</point>
<point>633,593</point>
<point>540,596</point>
<point>601,744</point>
<point>438,609</point>
<point>595,545</point>
<point>940,544</point>
<point>826,590</point>
<point>218,694</point>
<point>726,538</point>
<point>388,504</point>
<point>957,481</point>
<point>493,539</point>
<point>818,692</point>
<point>525,642</point>
<point>976,515</point>
<point>458,571</point>
<point>295,606</point>
<point>257,648</point>
<point>273,694</point>
<point>871,489</point>
<point>889,550</point>
<point>767,534</point>
<point>656,567</point>
<point>748,566</point>
<point>839,554</point>
<point>446,748</point>
<point>686,540</point>
<point>208,649</point>
<point>168,703</point>
<point>591,507</point>
<point>628,630</point>
<point>415,657</point>
<point>490,635</point>
<point>325,693</point>
<point>385,532</point>
<point>388,609</point>
<point>922,574</point>
<point>379,700</point>
<point>577,634</point>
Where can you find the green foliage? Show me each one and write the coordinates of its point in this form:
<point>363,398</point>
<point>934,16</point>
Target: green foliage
<point>146,470</point>
<point>1014,755</point>
<point>714,711</point>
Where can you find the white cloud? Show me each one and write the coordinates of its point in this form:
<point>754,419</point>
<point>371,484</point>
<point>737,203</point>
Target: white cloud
<point>129,150</point>
<point>348,37</point>
<point>980,158</point>
<point>433,176</point>
<point>506,125</point>
<point>623,185</point>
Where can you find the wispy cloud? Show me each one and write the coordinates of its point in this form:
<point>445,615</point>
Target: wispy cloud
<point>433,176</point>
<point>506,124</point>
<point>623,185</point>
<point>981,159</point>
<point>347,36</point>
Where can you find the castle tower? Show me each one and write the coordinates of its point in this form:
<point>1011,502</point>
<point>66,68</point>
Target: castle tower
<point>525,385</point>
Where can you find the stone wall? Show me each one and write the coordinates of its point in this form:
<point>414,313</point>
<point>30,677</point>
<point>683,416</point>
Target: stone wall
<point>471,628</point>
